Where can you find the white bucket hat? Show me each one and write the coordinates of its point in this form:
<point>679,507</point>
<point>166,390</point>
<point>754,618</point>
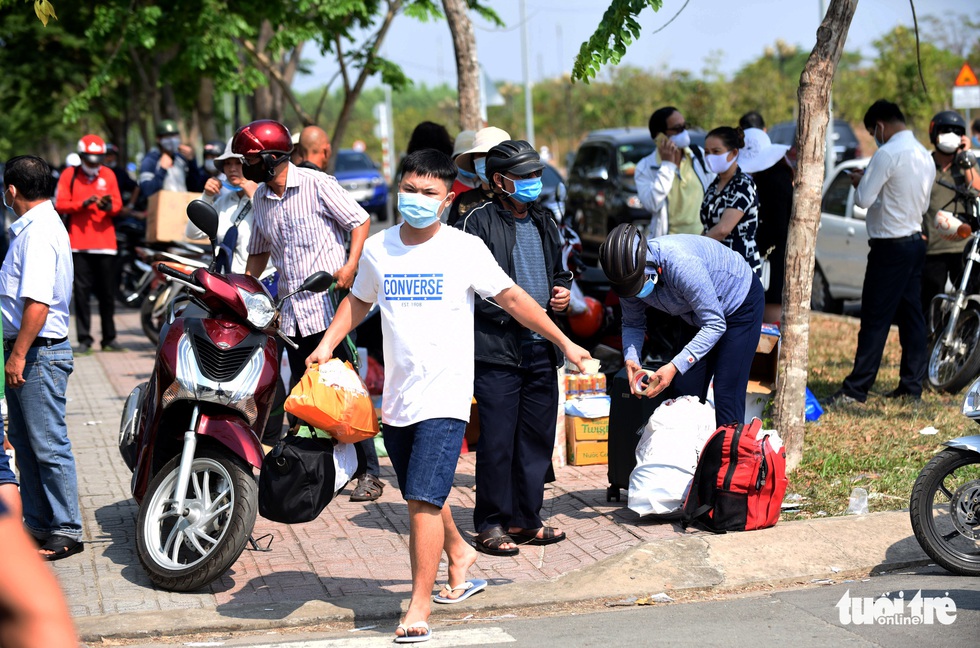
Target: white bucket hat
<point>759,153</point>
<point>484,140</point>
<point>463,142</point>
<point>227,155</point>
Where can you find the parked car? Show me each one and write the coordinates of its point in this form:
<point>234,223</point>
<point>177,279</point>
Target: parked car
<point>842,243</point>
<point>601,188</point>
<point>553,192</point>
<point>362,179</point>
<point>846,145</point>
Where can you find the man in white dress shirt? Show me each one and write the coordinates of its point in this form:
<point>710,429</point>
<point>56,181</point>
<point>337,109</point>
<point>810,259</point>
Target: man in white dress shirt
<point>895,190</point>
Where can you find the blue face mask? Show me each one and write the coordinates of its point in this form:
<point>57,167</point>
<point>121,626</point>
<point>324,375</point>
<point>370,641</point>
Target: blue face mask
<point>879,142</point>
<point>230,187</point>
<point>463,173</point>
<point>481,170</point>
<point>5,203</point>
<point>526,190</point>
<point>417,210</point>
<point>976,141</point>
<point>647,288</point>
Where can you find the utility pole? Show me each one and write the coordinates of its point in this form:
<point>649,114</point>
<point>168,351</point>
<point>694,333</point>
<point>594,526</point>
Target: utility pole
<point>528,101</point>
<point>830,157</point>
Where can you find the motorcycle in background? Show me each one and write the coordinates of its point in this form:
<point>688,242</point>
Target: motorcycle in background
<point>945,503</point>
<point>954,319</point>
<point>191,434</point>
<point>162,294</point>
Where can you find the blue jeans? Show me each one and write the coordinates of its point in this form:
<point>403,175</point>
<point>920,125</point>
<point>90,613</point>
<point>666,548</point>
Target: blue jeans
<point>729,362</point>
<point>424,456</point>
<point>7,475</point>
<point>39,434</point>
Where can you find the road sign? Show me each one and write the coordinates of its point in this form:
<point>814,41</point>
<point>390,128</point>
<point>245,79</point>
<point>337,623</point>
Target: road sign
<point>966,97</point>
<point>966,77</point>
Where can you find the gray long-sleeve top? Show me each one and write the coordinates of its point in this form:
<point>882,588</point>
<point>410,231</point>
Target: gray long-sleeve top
<point>700,280</point>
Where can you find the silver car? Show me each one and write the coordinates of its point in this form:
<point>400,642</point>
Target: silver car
<point>842,243</point>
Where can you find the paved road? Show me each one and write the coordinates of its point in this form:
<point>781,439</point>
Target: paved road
<point>810,617</point>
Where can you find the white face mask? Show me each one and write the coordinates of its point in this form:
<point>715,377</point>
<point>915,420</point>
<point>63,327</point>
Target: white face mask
<point>90,171</point>
<point>719,163</point>
<point>170,144</point>
<point>681,140</point>
<point>948,142</point>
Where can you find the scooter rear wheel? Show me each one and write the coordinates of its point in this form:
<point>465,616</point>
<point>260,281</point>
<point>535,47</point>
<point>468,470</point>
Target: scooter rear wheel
<point>186,550</point>
<point>945,510</point>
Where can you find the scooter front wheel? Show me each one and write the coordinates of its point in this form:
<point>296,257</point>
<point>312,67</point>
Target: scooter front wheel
<point>184,550</point>
<point>945,510</point>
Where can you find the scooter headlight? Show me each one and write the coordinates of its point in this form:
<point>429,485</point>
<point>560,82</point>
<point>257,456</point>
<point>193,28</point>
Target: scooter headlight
<point>260,309</point>
<point>971,404</point>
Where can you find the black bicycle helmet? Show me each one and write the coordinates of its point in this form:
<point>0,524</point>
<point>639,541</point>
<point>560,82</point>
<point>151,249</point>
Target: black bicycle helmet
<point>214,149</point>
<point>945,122</point>
<point>623,257</point>
<point>514,156</point>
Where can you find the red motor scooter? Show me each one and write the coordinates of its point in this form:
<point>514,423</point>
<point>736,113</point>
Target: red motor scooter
<point>191,434</point>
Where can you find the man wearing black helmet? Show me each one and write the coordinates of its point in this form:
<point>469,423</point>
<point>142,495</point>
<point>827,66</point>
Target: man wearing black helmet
<point>707,285</point>
<point>170,166</point>
<point>944,253</point>
<point>516,386</point>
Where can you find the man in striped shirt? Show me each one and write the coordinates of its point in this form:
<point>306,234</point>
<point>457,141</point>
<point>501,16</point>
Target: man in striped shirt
<point>300,220</point>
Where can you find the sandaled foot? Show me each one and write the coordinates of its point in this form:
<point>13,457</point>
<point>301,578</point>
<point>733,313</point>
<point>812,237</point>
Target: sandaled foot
<point>413,633</point>
<point>367,489</point>
<point>57,547</point>
<point>494,542</point>
<point>543,536</point>
<point>450,594</point>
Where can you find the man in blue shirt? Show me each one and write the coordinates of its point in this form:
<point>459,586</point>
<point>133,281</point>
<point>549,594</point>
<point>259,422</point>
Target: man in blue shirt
<point>708,286</point>
<point>35,292</point>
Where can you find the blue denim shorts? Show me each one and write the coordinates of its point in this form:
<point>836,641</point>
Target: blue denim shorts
<point>6,474</point>
<point>424,456</point>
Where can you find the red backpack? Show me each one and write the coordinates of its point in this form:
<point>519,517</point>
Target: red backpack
<point>739,483</point>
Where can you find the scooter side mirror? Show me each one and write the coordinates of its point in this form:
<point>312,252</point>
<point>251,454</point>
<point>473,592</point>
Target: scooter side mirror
<point>205,218</point>
<point>317,282</point>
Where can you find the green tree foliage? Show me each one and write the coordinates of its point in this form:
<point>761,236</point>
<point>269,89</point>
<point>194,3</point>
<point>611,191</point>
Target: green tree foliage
<point>617,29</point>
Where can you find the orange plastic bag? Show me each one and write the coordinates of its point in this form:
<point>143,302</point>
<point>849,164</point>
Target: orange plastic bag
<point>333,398</point>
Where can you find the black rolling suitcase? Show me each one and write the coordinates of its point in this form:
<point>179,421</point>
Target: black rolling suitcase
<point>627,416</point>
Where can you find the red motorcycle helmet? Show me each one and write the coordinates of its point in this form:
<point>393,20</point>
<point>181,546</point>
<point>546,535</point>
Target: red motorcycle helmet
<point>267,139</point>
<point>587,323</point>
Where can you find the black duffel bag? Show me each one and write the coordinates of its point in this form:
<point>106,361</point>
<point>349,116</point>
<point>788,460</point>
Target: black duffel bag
<point>298,479</point>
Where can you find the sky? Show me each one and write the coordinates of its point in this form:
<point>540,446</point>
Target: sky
<point>741,29</point>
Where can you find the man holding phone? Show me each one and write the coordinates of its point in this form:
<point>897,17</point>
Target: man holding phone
<point>171,165</point>
<point>88,197</point>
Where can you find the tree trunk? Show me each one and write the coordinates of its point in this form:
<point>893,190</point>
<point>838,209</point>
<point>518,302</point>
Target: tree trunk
<point>815,84</point>
<point>205,110</point>
<point>351,94</point>
<point>467,67</point>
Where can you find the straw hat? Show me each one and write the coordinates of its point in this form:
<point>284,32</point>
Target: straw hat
<point>484,140</point>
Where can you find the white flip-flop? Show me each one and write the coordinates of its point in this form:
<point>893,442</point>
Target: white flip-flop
<point>469,588</point>
<point>410,638</point>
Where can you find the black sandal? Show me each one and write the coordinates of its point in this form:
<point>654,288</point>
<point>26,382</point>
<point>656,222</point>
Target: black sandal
<point>548,536</point>
<point>489,542</point>
<point>60,547</point>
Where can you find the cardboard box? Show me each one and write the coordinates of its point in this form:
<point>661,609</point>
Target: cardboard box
<point>583,429</point>
<point>166,215</point>
<point>587,453</point>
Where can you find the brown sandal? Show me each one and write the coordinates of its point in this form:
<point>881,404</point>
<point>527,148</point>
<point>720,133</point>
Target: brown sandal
<point>489,542</point>
<point>368,489</point>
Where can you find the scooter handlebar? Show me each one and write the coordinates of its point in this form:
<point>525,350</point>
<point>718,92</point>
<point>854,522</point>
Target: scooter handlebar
<point>165,269</point>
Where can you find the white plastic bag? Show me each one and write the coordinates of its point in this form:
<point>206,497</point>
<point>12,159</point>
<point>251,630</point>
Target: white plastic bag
<point>667,455</point>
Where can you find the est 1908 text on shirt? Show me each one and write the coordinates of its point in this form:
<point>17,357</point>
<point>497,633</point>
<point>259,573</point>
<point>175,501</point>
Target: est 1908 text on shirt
<point>38,266</point>
<point>304,233</point>
<point>426,294</point>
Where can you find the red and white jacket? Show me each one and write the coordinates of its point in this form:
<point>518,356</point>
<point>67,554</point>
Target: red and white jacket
<point>90,229</point>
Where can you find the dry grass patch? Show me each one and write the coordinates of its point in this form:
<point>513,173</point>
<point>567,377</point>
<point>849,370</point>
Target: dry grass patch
<point>877,445</point>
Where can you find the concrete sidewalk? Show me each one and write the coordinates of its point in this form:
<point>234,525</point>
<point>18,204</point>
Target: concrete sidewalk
<point>352,565</point>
